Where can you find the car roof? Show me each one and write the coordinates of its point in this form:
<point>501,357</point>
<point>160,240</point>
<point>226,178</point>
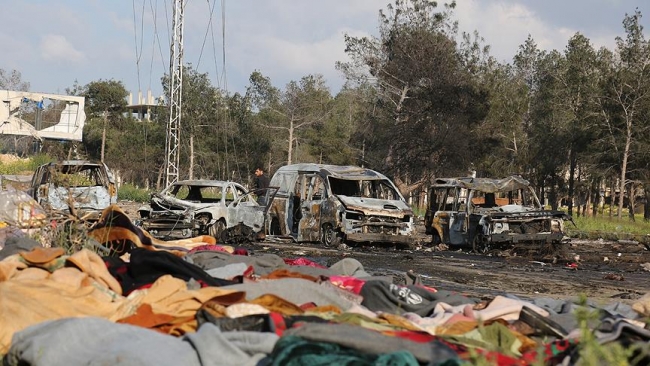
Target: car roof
<point>488,185</point>
<point>337,171</point>
<point>73,163</point>
<point>204,182</point>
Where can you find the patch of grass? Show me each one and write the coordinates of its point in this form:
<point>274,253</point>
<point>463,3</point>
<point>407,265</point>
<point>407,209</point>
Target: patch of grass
<point>24,166</point>
<point>604,224</point>
<point>129,192</point>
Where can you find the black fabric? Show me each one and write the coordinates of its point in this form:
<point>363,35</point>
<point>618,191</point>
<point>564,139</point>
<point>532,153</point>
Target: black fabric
<point>387,297</point>
<point>254,323</point>
<point>146,266</point>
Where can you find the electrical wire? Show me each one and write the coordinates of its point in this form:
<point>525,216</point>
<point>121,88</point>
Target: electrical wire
<point>138,53</point>
<point>207,30</point>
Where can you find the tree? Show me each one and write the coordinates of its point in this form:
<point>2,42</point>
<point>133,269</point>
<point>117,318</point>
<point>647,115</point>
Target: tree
<point>106,99</point>
<point>425,99</point>
<point>302,104</point>
<point>576,103</point>
<point>627,97</point>
<point>12,81</point>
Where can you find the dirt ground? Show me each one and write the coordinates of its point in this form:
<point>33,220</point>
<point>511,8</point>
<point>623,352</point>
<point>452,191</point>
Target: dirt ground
<point>604,271</point>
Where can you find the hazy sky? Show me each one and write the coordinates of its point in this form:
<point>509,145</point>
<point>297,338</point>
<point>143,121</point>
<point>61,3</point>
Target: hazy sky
<point>55,42</point>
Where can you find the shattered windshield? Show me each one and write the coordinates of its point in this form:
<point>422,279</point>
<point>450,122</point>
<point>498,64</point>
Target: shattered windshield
<point>371,188</point>
<point>79,176</point>
<point>520,197</point>
<point>202,194</point>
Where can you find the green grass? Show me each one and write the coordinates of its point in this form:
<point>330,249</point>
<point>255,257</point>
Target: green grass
<point>609,228</point>
<point>129,192</point>
<point>24,166</point>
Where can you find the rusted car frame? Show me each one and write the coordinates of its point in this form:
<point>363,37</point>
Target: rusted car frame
<point>83,188</point>
<point>334,204</point>
<point>188,208</point>
<point>488,214</point>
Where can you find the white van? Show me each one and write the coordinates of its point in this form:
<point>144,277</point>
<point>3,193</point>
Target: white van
<point>333,204</point>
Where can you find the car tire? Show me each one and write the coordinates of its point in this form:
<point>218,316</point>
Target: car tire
<point>216,230</point>
<point>330,237</point>
<point>480,244</point>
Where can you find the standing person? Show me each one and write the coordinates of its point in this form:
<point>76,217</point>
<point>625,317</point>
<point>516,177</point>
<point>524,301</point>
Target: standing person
<point>261,181</point>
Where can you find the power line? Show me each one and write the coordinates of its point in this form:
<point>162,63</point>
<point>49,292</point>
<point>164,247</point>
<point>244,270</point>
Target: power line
<point>207,30</point>
<point>138,54</point>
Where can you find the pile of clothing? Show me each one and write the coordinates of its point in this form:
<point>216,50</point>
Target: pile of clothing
<point>199,303</point>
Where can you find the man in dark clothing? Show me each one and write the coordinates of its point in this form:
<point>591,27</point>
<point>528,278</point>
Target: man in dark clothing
<point>261,181</point>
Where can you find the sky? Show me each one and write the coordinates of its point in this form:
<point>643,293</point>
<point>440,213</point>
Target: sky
<point>55,43</point>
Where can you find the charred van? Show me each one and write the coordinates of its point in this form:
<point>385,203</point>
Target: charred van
<point>334,204</point>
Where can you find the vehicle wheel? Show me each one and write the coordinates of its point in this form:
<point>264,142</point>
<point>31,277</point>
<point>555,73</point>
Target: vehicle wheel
<point>217,229</point>
<point>330,237</point>
<point>480,244</point>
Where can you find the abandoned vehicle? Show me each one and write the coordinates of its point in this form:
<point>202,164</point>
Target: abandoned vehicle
<point>490,214</point>
<point>188,208</point>
<point>89,186</point>
<point>334,204</point>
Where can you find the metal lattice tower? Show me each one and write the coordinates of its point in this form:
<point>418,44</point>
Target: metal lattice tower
<point>175,94</point>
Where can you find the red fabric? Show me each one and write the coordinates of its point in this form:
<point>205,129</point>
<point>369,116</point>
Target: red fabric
<point>302,262</point>
<point>210,247</point>
<point>349,283</point>
<point>278,322</point>
<point>420,337</point>
<point>240,251</point>
<point>307,306</point>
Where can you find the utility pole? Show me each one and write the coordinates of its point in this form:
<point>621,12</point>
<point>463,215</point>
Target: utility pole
<point>175,94</point>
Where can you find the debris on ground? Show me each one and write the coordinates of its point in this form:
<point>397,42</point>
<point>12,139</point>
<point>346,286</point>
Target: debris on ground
<point>197,302</point>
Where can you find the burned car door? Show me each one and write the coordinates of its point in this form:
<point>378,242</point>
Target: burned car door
<point>245,210</point>
<point>458,218</point>
<point>312,198</point>
<point>447,215</point>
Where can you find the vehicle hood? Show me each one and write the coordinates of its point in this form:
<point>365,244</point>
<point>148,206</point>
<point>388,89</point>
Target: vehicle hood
<point>374,206</point>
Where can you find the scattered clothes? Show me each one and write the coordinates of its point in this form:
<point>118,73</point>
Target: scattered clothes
<point>94,341</point>
<point>219,305</point>
<point>145,267</point>
<point>296,351</point>
<point>116,231</point>
<point>14,241</point>
<point>387,297</point>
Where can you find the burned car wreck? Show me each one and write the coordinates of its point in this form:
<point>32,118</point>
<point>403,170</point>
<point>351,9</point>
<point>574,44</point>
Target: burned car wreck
<point>78,187</point>
<point>336,204</point>
<point>489,214</point>
<point>188,208</point>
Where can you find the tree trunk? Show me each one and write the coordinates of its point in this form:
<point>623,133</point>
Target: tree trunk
<point>646,205</point>
<point>632,204</point>
<point>572,173</point>
<point>103,139</point>
<point>290,151</point>
<point>595,197</point>
<point>626,154</point>
<point>191,170</point>
<point>552,196</point>
<point>612,197</point>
